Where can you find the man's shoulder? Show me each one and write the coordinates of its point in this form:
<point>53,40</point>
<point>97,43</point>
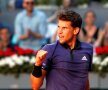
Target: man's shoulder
<point>52,44</point>
<point>50,47</point>
<point>39,13</point>
<point>21,14</point>
<point>85,45</point>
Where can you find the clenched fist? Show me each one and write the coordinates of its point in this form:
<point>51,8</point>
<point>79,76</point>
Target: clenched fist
<point>41,55</point>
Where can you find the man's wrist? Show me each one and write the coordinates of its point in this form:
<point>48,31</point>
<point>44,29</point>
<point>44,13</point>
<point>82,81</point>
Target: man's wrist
<point>36,64</point>
<point>37,72</point>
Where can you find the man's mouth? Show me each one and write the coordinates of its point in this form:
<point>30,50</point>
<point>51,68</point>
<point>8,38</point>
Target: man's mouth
<point>61,36</point>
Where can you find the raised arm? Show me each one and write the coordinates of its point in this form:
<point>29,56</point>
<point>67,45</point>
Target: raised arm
<point>38,74</point>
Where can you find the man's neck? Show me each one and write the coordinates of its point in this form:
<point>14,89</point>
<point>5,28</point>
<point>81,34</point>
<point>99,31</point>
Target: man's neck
<point>90,25</point>
<point>29,13</point>
<point>72,43</point>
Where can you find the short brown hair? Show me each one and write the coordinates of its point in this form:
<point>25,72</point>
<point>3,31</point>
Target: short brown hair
<point>70,15</point>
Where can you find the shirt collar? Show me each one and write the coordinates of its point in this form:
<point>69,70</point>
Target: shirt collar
<point>77,45</point>
<point>33,13</point>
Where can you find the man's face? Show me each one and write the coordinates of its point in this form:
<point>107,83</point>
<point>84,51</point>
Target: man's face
<point>66,3</point>
<point>4,34</point>
<point>89,18</point>
<point>65,31</point>
<point>28,5</point>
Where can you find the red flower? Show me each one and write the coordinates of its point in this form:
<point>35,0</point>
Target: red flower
<point>105,49</point>
<point>22,51</point>
<point>102,50</point>
<point>1,53</point>
<point>99,50</point>
<point>19,51</point>
<point>9,52</point>
<point>29,51</point>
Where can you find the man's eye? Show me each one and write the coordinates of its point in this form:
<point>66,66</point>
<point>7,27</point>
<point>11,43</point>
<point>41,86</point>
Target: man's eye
<point>58,27</point>
<point>64,27</point>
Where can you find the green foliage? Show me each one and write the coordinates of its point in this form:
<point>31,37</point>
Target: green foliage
<point>100,68</point>
<point>58,2</point>
<point>82,1</point>
<point>42,2</point>
<point>17,70</point>
<point>104,1</point>
<point>48,2</point>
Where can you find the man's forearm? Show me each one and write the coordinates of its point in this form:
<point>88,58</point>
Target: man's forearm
<point>36,83</point>
<point>37,36</point>
<point>38,73</point>
<point>23,37</point>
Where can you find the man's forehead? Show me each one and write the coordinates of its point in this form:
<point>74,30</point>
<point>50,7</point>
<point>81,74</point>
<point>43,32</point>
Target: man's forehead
<point>28,0</point>
<point>4,30</point>
<point>64,23</point>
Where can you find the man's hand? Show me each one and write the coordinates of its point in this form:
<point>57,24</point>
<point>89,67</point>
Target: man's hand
<point>29,32</point>
<point>24,37</point>
<point>41,55</point>
<point>35,35</point>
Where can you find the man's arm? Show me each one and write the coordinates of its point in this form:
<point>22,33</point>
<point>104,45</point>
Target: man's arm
<point>36,83</point>
<point>42,28</point>
<point>101,34</point>
<point>19,29</point>
<point>36,35</point>
<point>23,37</point>
<point>87,87</point>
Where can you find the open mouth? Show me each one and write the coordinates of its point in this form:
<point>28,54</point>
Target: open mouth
<point>61,36</point>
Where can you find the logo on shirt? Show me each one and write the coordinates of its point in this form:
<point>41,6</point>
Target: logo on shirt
<point>84,58</point>
<point>44,64</point>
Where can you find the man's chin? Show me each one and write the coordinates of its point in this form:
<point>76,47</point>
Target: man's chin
<point>61,42</point>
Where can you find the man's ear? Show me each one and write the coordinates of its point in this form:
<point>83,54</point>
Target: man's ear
<point>76,31</point>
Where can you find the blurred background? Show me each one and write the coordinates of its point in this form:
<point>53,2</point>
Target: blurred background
<point>27,25</point>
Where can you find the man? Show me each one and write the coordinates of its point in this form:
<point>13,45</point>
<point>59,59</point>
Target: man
<point>30,26</point>
<point>5,36</point>
<point>66,62</point>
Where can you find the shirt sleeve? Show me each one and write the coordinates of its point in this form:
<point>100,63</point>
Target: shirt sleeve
<point>43,25</point>
<point>47,62</point>
<point>91,59</point>
<point>18,26</point>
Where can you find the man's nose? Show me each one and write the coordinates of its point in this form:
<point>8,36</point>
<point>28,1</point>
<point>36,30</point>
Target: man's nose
<point>60,31</point>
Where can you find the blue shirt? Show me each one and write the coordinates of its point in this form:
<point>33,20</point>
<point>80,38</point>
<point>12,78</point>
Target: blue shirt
<point>36,23</point>
<point>67,69</point>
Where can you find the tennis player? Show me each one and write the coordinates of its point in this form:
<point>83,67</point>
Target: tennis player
<point>67,62</point>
